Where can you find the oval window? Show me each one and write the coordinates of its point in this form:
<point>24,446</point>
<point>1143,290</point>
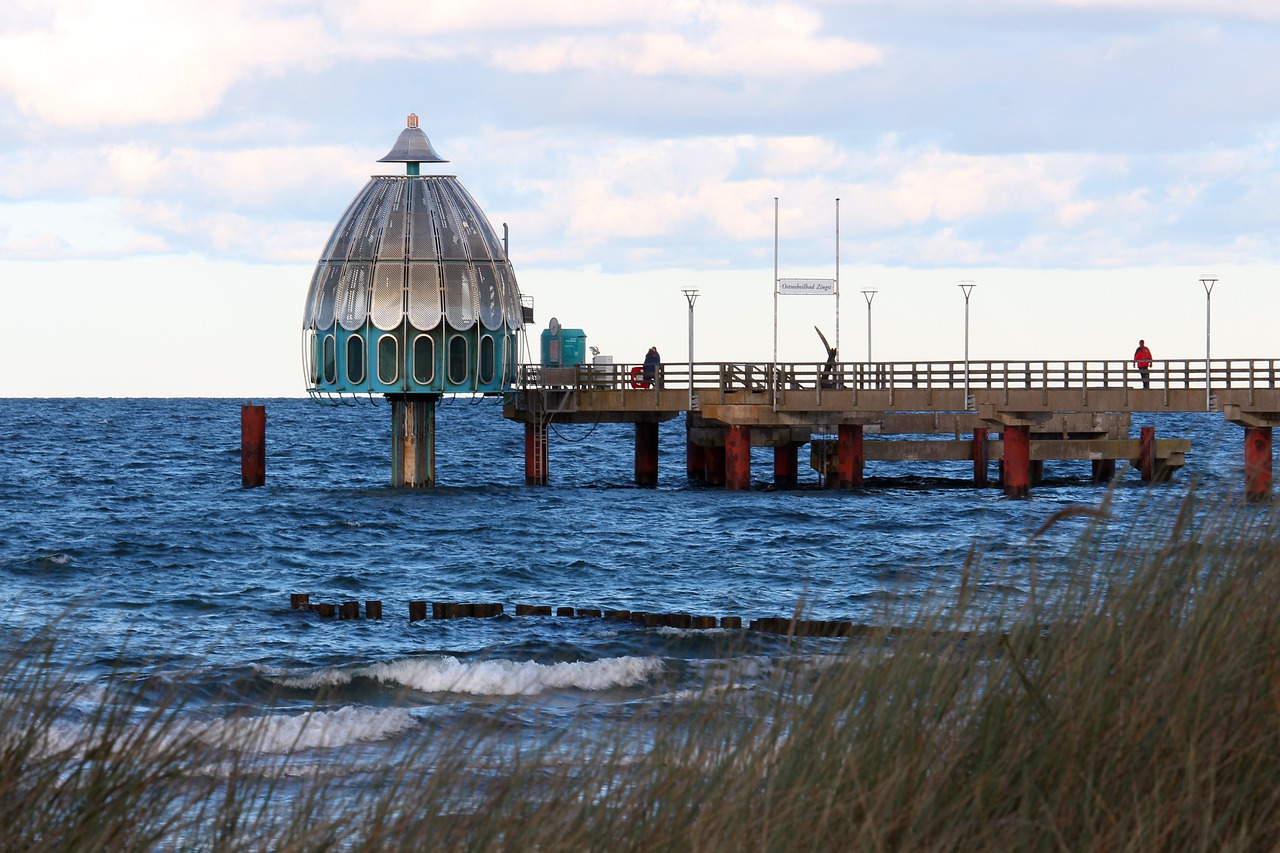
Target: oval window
<point>486,359</point>
<point>330,360</point>
<point>355,360</point>
<point>459,369</point>
<point>424,360</point>
<point>388,359</point>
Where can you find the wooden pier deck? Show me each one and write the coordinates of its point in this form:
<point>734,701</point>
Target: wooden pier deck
<point>1072,409</point>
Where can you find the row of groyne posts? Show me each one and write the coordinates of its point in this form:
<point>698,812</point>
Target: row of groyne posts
<point>421,611</point>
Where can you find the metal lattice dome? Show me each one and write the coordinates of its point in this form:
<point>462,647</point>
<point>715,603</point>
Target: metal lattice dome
<point>413,292</point>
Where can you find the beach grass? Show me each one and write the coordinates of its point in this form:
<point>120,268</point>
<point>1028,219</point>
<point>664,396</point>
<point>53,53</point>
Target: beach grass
<point>1131,704</point>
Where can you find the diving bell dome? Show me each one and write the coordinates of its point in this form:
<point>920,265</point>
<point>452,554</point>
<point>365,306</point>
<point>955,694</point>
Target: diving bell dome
<point>413,293</point>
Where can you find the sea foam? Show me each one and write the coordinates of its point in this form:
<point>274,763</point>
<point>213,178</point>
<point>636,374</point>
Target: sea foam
<point>499,677</point>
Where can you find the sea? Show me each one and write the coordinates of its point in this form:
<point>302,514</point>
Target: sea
<point>125,532</point>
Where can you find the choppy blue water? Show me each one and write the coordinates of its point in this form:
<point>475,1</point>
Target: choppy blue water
<point>125,519</point>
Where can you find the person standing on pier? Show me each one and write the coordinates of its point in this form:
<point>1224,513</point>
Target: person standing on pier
<point>1142,358</point>
<point>651,362</point>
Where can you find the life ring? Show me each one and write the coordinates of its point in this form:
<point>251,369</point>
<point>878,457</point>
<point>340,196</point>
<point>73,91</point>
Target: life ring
<point>637,377</point>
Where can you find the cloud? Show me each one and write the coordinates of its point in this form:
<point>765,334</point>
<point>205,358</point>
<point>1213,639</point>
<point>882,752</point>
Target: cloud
<point>87,63</point>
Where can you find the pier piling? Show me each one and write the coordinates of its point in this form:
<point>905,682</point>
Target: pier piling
<point>980,457</point>
<point>737,458</point>
<point>413,442</point>
<point>786,466</point>
<point>715,457</point>
<point>1017,461</point>
<point>535,453</point>
<point>253,445</point>
<point>647,454</point>
<point>850,459</point>
<point>1257,463</point>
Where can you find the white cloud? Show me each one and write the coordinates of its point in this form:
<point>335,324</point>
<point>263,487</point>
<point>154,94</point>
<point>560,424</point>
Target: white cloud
<point>88,63</point>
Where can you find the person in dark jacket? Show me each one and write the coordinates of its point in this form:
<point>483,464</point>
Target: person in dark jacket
<point>1142,358</point>
<point>651,362</point>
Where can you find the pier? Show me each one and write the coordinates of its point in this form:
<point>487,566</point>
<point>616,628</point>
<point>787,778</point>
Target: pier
<point>1017,414</point>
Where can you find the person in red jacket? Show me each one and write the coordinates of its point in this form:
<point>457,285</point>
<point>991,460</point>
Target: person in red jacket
<point>1142,358</point>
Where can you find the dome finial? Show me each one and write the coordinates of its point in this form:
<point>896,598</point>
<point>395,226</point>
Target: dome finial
<point>412,147</point>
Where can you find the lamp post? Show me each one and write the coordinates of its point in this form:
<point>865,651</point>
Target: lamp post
<point>1208,281</point>
<point>870,295</point>
<point>967,287</point>
<point>690,294</point>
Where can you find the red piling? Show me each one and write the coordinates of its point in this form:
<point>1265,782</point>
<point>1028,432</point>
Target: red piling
<point>980,457</point>
<point>786,466</point>
<point>1104,471</point>
<point>1257,463</point>
<point>715,457</point>
<point>1017,461</point>
<point>253,445</point>
<point>737,458</point>
<point>850,459</point>
<point>1147,455</point>
<point>647,454</point>
<point>695,455</point>
<point>535,454</point>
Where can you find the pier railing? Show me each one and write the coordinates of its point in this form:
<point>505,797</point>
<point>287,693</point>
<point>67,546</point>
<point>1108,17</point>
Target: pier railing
<point>722,377</point>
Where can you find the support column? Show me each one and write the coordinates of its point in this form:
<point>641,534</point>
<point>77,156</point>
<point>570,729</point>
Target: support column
<point>1147,455</point>
<point>253,445</point>
<point>413,440</point>
<point>1037,472</point>
<point>1257,463</point>
<point>1017,461</point>
<point>695,455</point>
<point>535,453</point>
<point>647,454</point>
<point>786,466</point>
<point>737,458</point>
<point>849,456</point>
<point>1104,471</point>
<point>715,456</point>
<point>980,457</point>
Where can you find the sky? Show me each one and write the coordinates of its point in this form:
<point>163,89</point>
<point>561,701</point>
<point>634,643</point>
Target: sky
<point>170,171</point>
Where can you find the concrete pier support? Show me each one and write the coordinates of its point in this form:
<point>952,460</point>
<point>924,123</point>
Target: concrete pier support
<point>1257,463</point>
<point>850,459</point>
<point>737,458</point>
<point>647,454</point>
<point>413,440</point>
<point>715,472</point>
<point>253,445</point>
<point>980,457</point>
<point>535,453</point>
<point>1017,461</point>
<point>786,466</point>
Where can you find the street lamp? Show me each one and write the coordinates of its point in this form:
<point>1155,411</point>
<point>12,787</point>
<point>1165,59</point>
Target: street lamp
<point>869,294</point>
<point>967,286</point>
<point>690,294</point>
<point>1208,281</point>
